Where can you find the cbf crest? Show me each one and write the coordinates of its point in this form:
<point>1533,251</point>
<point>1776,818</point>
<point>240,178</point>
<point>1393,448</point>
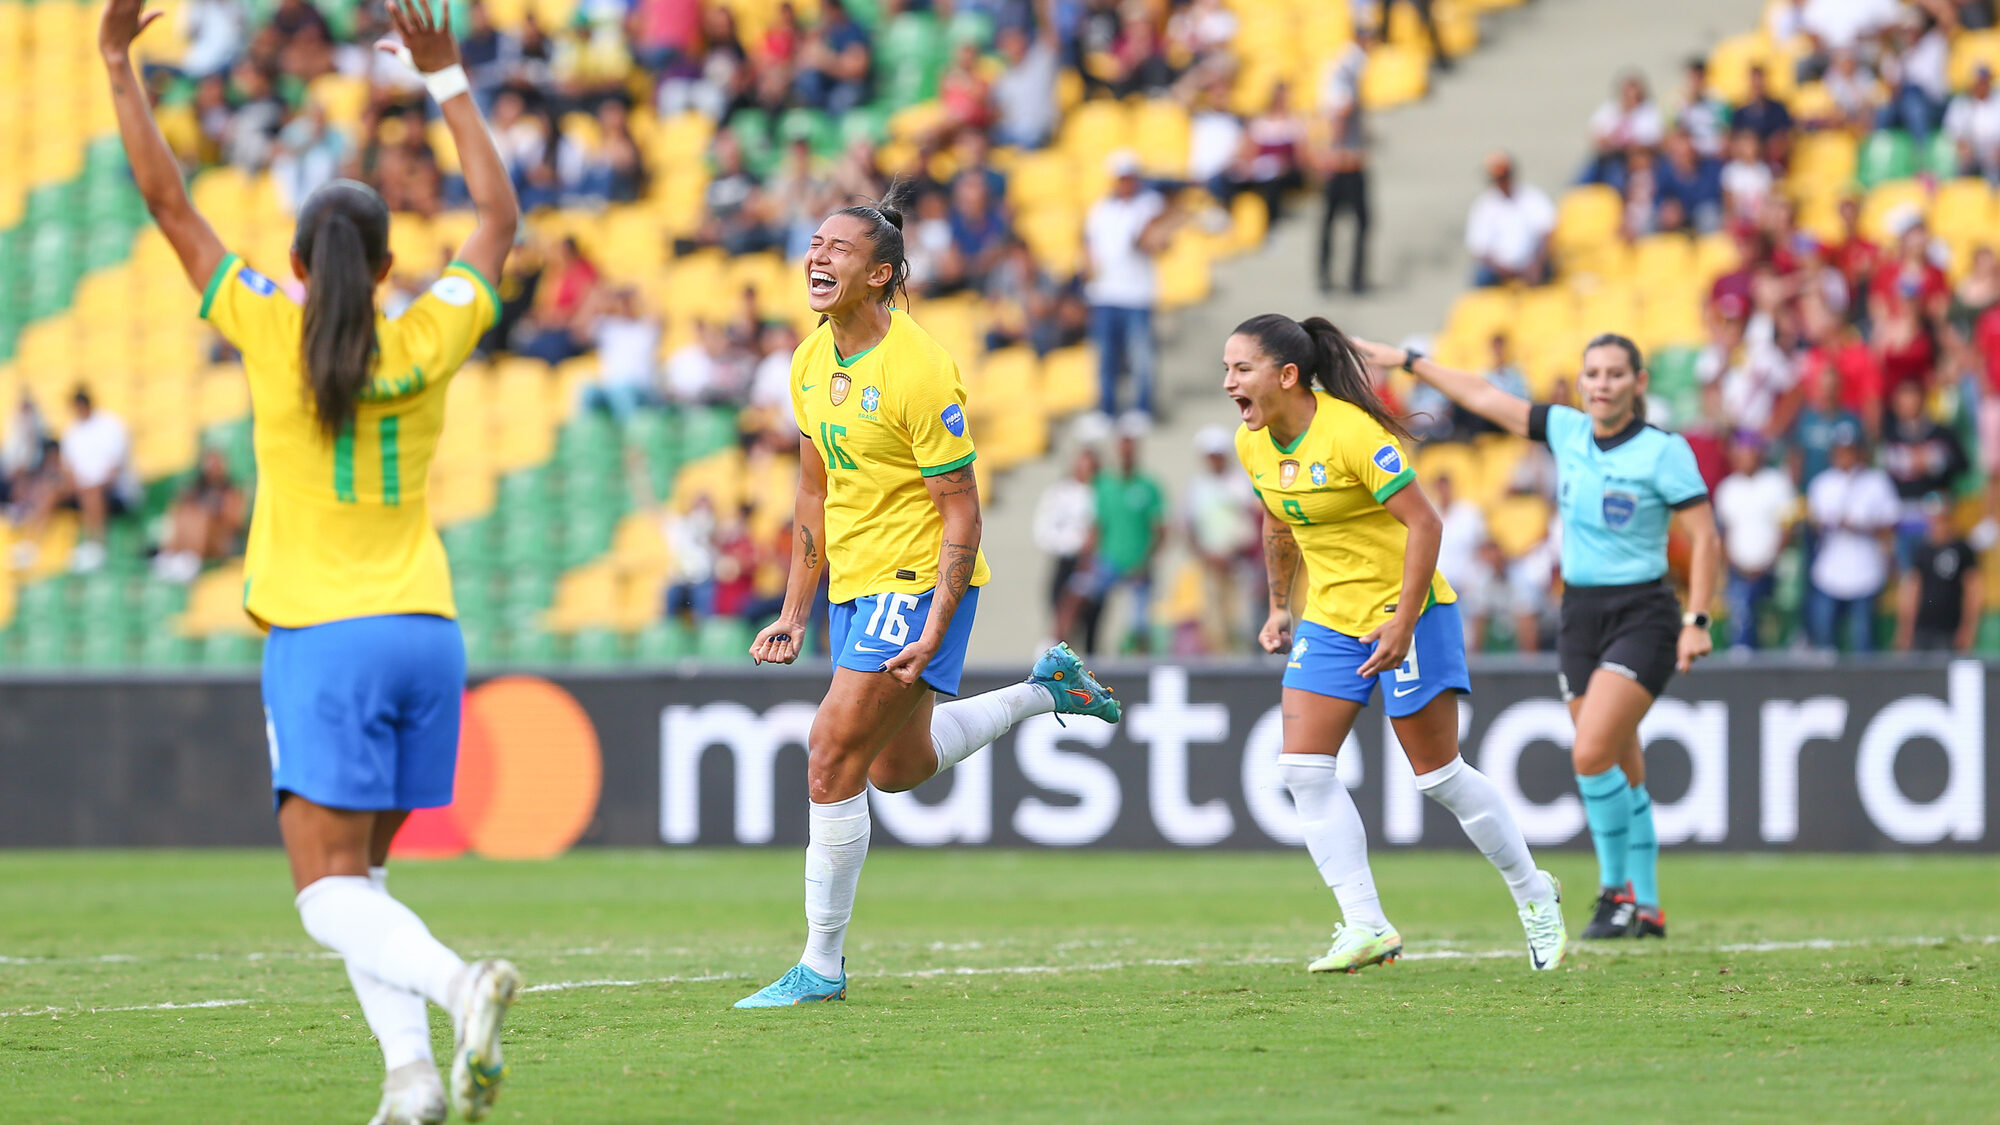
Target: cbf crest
<point>838,386</point>
<point>1318,474</point>
<point>1288,471</point>
<point>871,398</point>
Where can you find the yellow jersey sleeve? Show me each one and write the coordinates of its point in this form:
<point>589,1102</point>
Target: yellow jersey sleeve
<point>252,313</point>
<point>1375,458</point>
<point>798,394</point>
<point>439,330</point>
<point>934,415</point>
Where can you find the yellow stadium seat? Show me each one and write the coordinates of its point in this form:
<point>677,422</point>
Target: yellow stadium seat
<point>1607,308</point>
<point>1548,311</point>
<point>1887,203</point>
<point>1518,523</point>
<point>1041,179</point>
<point>1183,270</point>
<point>586,597</point>
<point>1714,255</point>
<point>957,323</point>
<point>1588,217</point>
<point>1730,62</point>
<point>1055,234</point>
<point>1970,50</point>
<point>1069,380</point>
<point>1479,315</point>
<point>1662,257</point>
<point>1457,461</point>
<point>1093,131</point>
<point>1395,75</point>
<point>1822,162</point>
<point>1964,210</point>
<point>1160,135</point>
<point>1010,380</point>
<point>342,96</point>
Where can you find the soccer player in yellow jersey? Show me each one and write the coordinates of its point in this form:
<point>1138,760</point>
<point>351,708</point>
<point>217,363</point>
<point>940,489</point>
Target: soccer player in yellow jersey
<point>365,667</point>
<point>888,514</point>
<point>1327,458</point>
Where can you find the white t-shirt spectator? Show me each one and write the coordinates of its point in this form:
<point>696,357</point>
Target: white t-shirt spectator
<point>1926,65</point>
<point>1754,511</point>
<point>1976,122</point>
<point>1339,89</point>
<point>1064,518</point>
<point>216,34</point>
<point>691,374</point>
<point>626,347</point>
<point>1746,184</point>
<point>1850,509</point>
<point>95,449</point>
<point>1024,96</point>
<point>1508,230</point>
<point>1840,24</point>
<point>1217,509</point>
<point>1214,138</point>
<point>1754,379</point>
<point>1615,125</point>
<point>1121,273</point>
<point>1464,533</point>
<point>771,385</point>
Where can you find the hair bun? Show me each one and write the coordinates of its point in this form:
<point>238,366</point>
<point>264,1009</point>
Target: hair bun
<point>892,213</point>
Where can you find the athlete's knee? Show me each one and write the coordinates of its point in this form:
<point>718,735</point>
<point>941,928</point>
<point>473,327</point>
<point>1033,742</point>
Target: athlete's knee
<point>895,777</point>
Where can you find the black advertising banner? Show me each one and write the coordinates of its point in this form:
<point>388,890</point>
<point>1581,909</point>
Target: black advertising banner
<point>1810,756</point>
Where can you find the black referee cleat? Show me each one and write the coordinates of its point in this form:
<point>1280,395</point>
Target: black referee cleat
<point>1613,916</point>
<point>1649,921</point>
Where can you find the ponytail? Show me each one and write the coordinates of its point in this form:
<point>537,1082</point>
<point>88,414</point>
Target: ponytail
<point>1325,356</point>
<point>343,241</point>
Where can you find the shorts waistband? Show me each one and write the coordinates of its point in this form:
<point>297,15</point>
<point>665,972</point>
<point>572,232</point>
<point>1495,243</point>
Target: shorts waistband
<point>1655,585</point>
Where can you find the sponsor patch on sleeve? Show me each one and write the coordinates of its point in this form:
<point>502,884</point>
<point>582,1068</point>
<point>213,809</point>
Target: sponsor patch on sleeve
<point>256,282</point>
<point>1388,459</point>
<point>954,420</point>
<point>454,290</point>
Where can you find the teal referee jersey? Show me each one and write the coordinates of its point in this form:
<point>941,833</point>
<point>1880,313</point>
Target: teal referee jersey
<point>1616,495</point>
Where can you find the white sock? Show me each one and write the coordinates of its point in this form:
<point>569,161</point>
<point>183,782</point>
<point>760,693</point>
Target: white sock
<point>1471,797</point>
<point>838,835</point>
<point>399,1019</point>
<point>1334,836</point>
<point>381,937</point>
<point>964,726</point>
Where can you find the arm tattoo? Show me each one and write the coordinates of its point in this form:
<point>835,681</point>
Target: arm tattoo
<point>1281,564</point>
<point>811,548</point>
<point>960,480</point>
<point>956,569</point>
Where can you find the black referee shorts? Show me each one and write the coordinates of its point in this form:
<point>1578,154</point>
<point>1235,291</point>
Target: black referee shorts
<point>1631,630</point>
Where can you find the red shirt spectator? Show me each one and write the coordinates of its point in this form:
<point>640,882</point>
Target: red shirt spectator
<point>1850,361</point>
<point>1986,336</point>
<point>1925,284</point>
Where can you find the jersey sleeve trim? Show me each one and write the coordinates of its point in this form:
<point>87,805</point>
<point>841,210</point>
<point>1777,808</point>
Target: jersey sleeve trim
<point>492,294</point>
<point>1538,422</point>
<point>961,463</point>
<point>1395,484</point>
<point>215,282</point>
<point>1684,505</point>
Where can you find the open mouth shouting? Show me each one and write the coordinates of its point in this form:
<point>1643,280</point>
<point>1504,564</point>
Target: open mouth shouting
<point>819,283</point>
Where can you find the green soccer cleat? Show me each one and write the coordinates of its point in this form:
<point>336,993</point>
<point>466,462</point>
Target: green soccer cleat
<point>1354,949</point>
<point>476,1066</point>
<point>800,986</point>
<point>1548,938</point>
<point>1074,689</point>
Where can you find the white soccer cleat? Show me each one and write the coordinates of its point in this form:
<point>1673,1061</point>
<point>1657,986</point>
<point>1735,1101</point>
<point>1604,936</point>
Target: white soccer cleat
<point>1355,948</point>
<point>1548,938</point>
<point>476,1066</point>
<point>411,1095</point>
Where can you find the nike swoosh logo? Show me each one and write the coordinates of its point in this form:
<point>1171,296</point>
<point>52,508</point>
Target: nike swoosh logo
<point>867,648</point>
<point>1083,695</point>
<point>1256,476</point>
<point>1406,691</point>
<point>807,386</point>
<point>1536,961</point>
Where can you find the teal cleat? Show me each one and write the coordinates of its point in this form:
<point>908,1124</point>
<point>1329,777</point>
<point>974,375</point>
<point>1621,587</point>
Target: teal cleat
<point>1074,689</point>
<point>800,986</point>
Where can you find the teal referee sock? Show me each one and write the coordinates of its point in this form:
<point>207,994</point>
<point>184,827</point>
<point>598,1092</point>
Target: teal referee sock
<point>1607,807</point>
<point>1643,850</point>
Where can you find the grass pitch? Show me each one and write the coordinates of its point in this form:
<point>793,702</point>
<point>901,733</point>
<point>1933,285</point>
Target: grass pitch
<point>1023,987</point>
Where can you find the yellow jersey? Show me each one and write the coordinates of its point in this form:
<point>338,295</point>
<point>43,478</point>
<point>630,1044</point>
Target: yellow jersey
<point>1330,485</point>
<point>883,421</point>
<point>341,527</point>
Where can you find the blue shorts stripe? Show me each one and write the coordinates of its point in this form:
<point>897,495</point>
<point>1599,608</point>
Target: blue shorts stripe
<point>1326,662</point>
<point>864,633</point>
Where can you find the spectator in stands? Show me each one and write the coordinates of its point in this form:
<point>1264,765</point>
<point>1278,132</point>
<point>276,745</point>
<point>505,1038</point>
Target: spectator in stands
<point>1136,65</point>
<point>1509,593</point>
<point>1765,117</point>
<point>216,32</point>
<point>1464,531</point>
<point>1627,120</point>
<point>1422,8</point>
<point>1121,235</point>
<point>1855,93</point>
<point>1972,121</point>
<point>1914,68</point>
<point>717,73</point>
<point>1637,179</point>
<point>1065,530</point>
<point>1202,30</point>
<point>1219,514</point>
<point>1910,279</point>
<point>1843,25</point>
<point>1942,593</point>
<point>1921,457</point>
<point>254,121</point>
<point>1690,186</point>
<point>1746,179</point>
<point>1975,293</point>
<point>1702,114</point>
<point>964,93</point>
<point>1824,417</point>
<point>308,153</point>
<point>1275,146</point>
<point>1853,509</point>
<point>1023,302</point>
<point>1748,380</point>
<point>1755,506</point>
<point>771,382</point>
<point>695,373</point>
<point>936,268</point>
<point>979,225</point>
<point>835,62</point>
<point>204,523</point>
<point>1855,255</point>
<point>558,327</point>
<point>21,453</point>
<point>613,171</point>
<point>1344,166</point>
<point>1131,525</point>
<point>97,479</point>
<point>1508,229</point>
<point>488,54</point>
<point>666,34</point>
<point>1024,93</point>
<point>626,335</point>
<point>691,556</point>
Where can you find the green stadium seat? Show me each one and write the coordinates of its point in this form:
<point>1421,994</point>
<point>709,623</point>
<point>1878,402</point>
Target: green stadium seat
<point>1674,379</point>
<point>534,648</point>
<point>1941,159</point>
<point>43,650</point>
<point>1887,155</point>
<point>721,640</point>
<point>868,122</point>
<point>231,650</point>
<point>707,430</point>
<point>663,642</point>
<point>597,648</point>
<point>910,52</point>
<point>814,127</point>
<point>161,647</point>
<point>971,26</point>
<point>107,645</point>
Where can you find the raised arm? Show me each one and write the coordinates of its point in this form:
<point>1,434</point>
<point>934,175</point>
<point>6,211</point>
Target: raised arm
<point>1281,571</point>
<point>782,640</point>
<point>956,496</point>
<point>154,169</point>
<point>1462,387</point>
<point>434,53</point>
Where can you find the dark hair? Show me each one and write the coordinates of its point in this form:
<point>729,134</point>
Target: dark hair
<point>1324,355</point>
<point>885,234</point>
<point>1632,355</point>
<point>343,239</point>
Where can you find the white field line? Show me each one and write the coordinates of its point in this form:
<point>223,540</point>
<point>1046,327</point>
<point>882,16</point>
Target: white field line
<point>1436,953</point>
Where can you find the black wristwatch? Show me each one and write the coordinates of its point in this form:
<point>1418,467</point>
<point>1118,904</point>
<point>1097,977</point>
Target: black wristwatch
<point>1694,620</point>
<point>1410,357</point>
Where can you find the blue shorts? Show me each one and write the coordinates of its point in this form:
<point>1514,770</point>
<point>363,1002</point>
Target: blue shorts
<point>1325,662</point>
<point>363,714</point>
<point>867,631</point>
